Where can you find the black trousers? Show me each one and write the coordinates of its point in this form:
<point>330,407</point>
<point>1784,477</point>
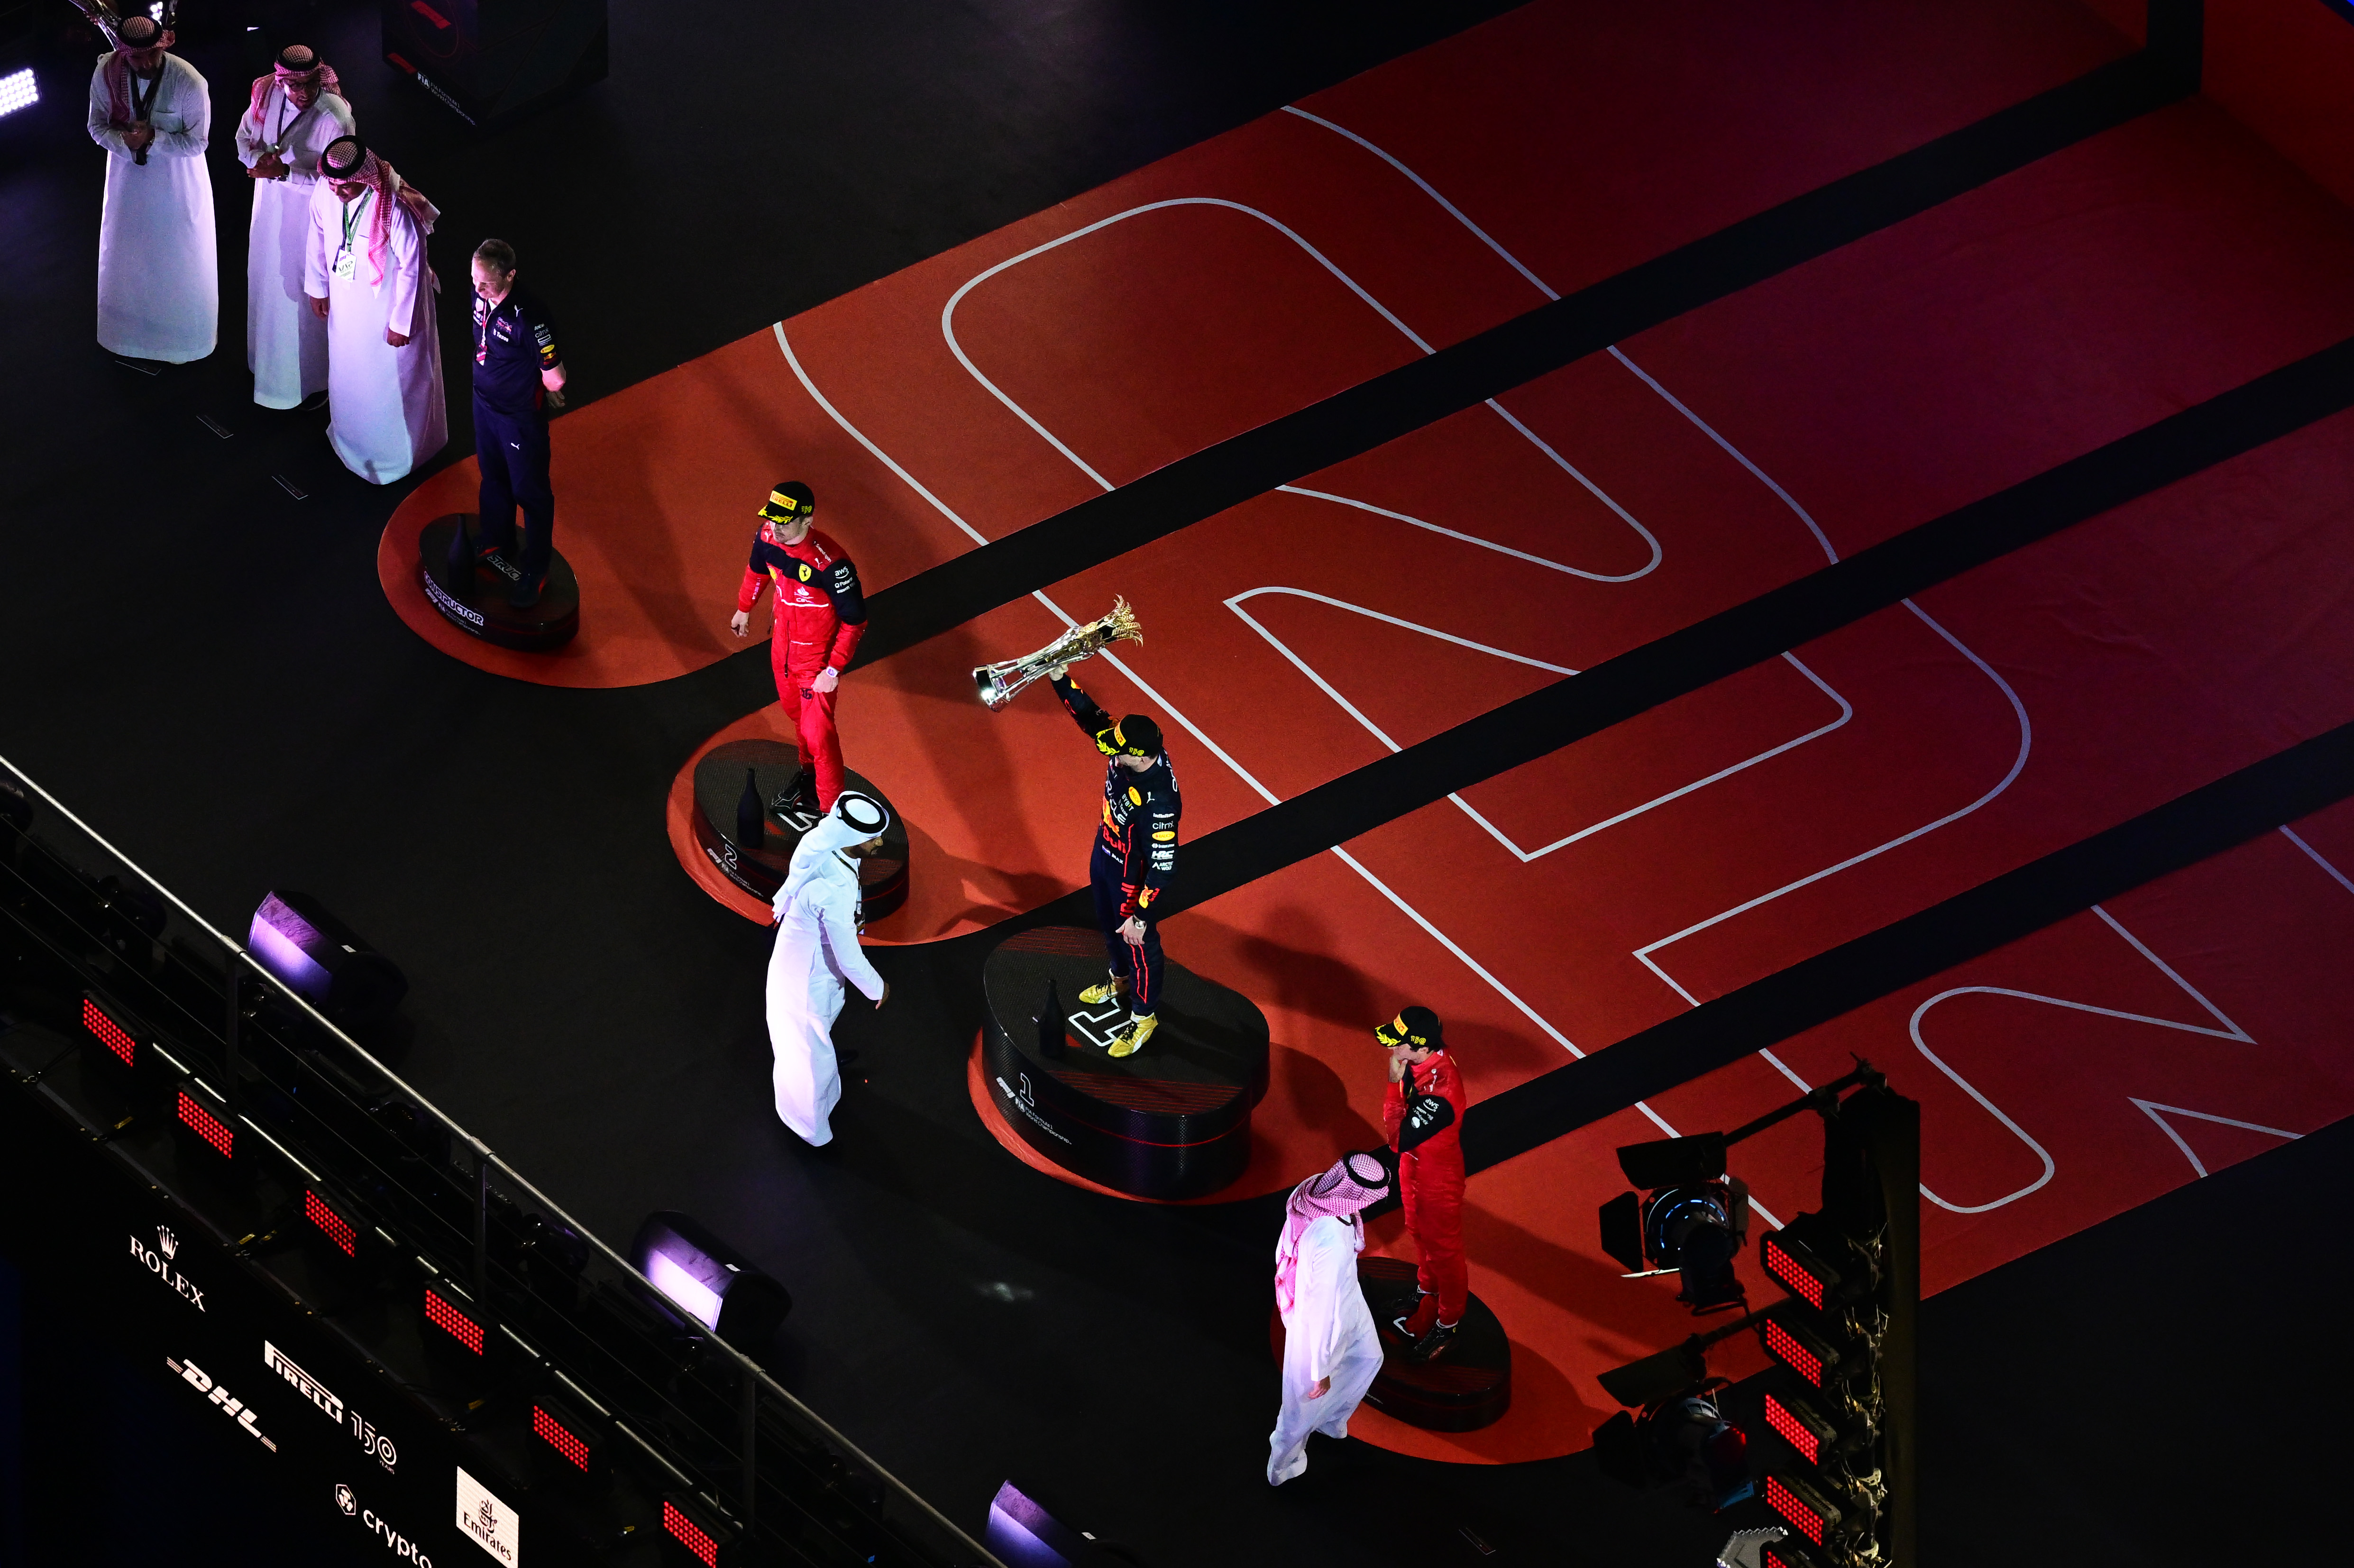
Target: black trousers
<point>1137,963</point>
<point>513,452</point>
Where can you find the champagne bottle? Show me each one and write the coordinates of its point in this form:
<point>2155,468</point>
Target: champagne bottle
<point>458,566</point>
<point>1051,1025</point>
<point>750,823</point>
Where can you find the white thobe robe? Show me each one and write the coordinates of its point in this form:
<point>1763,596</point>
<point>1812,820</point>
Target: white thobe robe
<point>285,341</point>
<point>387,411</point>
<point>158,278</point>
<point>816,952</point>
<point>1328,1333</point>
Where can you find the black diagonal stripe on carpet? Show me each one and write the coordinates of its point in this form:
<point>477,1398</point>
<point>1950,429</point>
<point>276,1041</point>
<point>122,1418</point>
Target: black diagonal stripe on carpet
<point>1401,401</point>
<point>2189,829</point>
<point>1683,662</point>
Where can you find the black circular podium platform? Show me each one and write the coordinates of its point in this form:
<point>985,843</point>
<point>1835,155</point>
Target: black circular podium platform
<point>478,606</point>
<point>1466,1387</point>
<point>1172,1121</point>
<point>769,766</point>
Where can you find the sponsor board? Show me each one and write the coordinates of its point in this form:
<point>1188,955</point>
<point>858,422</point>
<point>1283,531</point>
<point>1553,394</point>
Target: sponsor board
<point>157,1260</point>
<point>488,1522</point>
<point>218,1394</point>
<point>401,1547</point>
<point>379,1446</point>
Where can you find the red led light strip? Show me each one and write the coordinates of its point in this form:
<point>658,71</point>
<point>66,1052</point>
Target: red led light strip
<point>468,1332</point>
<point>1792,1273</point>
<point>689,1534</point>
<point>206,1124</point>
<point>1784,1347</point>
<point>1783,1501</point>
<point>562,1441</point>
<point>110,1033</point>
<point>315,1210</point>
<point>1793,1432</point>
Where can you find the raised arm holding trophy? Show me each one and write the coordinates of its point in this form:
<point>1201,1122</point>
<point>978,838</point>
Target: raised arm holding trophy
<point>1135,855</point>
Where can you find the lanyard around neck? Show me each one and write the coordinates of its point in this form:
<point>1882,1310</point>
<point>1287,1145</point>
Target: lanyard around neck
<point>140,107</point>
<point>352,210</point>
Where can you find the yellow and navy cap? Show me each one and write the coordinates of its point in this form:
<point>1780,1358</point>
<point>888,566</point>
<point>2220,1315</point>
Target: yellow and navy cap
<point>1135,735</point>
<point>790,500</point>
<point>1416,1027</point>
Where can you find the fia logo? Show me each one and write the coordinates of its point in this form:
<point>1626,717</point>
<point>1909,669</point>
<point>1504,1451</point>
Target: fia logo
<point>157,1261</point>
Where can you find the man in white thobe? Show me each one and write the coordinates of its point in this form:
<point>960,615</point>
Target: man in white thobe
<point>816,953</point>
<point>1331,1351</point>
<point>365,272</point>
<point>295,112</point>
<point>158,280</point>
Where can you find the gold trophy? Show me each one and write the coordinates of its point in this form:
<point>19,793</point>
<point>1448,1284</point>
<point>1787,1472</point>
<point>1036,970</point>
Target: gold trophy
<point>997,683</point>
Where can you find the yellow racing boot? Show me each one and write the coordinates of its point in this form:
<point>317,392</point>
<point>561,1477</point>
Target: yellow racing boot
<point>1130,1040</point>
<point>1111,989</point>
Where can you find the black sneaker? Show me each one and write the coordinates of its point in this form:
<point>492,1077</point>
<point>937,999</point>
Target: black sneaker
<point>526,594</point>
<point>801,795</point>
<point>1396,1322</point>
<point>1433,1345</point>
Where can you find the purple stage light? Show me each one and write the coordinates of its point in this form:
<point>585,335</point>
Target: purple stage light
<point>310,951</point>
<point>278,938</point>
<point>1023,1533</point>
<point>708,1280</point>
<point>688,1288</point>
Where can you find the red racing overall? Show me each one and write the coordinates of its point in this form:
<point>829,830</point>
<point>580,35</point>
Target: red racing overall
<point>1430,1183</point>
<point>818,618</point>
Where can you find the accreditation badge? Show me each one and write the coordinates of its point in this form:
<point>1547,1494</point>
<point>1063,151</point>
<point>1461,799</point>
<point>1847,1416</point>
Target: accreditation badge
<point>346,265</point>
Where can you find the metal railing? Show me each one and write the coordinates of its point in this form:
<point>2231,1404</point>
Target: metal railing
<point>704,1417</point>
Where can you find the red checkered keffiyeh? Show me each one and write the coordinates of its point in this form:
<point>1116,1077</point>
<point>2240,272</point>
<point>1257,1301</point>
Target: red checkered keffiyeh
<point>382,178</point>
<point>319,72</point>
<point>1354,1182</point>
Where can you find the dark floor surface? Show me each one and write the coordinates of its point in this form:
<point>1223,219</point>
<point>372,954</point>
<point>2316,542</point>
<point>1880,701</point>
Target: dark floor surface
<point>205,667</point>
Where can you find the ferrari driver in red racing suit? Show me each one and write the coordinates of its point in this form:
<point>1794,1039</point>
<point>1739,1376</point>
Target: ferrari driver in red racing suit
<point>1422,1113</point>
<point>819,617</point>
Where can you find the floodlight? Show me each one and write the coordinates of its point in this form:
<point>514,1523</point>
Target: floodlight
<point>207,1115</point>
<point>1815,1359</point>
<point>19,91</point>
<point>700,1534</point>
<point>112,1028</point>
<point>708,1280</point>
<point>309,951</point>
<point>1788,1554</point>
<point>1656,1377</point>
<point>452,1312</point>
<point>1674,1162</point>
<point>1813,1515</point>
<point>580,1442</point>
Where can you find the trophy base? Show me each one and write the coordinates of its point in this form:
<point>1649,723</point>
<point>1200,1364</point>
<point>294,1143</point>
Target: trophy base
<point>479,607</point>
<point>759,868</point>
<point>1467,1387</point>
<point>1172,1121</point>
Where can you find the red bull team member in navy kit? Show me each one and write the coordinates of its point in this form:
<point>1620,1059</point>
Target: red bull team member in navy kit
<point>518,376</point>
<point>1134,858</point>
